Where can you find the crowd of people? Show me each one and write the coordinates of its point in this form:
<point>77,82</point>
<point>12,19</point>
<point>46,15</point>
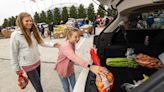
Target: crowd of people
<point>76,23</point>
<point>153,20</point>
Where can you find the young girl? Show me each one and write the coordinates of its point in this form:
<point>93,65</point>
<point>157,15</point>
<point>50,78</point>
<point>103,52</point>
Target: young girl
<point>24,49</point>
<point>67,58</point>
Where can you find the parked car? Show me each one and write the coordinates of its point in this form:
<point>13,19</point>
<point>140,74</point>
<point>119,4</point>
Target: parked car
<point>117,37</point>
<point>72,20</point>
<point>43,24</point>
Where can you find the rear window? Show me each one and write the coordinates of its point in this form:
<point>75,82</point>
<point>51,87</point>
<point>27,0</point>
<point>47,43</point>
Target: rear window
<point>148,20</point>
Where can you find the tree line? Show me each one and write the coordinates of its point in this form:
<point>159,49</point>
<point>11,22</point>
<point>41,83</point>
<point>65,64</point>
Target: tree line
<point>57,15</point>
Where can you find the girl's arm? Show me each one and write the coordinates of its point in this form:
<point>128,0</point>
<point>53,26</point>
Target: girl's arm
<point>69,52</point>
<point>50,45</point>
<point>14,53</point>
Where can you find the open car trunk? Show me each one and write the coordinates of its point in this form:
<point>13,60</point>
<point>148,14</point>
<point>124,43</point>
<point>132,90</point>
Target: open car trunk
<point>114,41</point>
<point>118,47</point>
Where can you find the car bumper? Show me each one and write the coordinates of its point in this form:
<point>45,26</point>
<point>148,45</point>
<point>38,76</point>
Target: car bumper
<point>81,81</point>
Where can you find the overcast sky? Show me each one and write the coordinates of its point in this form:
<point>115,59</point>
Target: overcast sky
<point>10,8</point>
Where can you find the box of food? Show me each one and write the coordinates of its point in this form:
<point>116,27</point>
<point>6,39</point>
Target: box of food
<point>81,32</point>
<point>6,33</point>
<point>87,28</point>
<point>59,34</point>
<point>1,34</point>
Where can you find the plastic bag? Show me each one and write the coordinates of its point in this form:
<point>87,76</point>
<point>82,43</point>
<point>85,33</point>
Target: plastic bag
<point>22,80</point>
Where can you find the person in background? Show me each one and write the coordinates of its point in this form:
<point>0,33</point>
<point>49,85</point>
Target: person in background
<point>76,25</point>
<point>140,24</point>
<point>87,21</point>
<point>150,20</point>
<point>51,29</point>
<point>107,20</point>
<point>133,23</point>
<point>42,31</point>
<point>39,28</point>
<point>99,20</point>
<point>67,58</point>
<point>94,23</point>
<point>24,49</point>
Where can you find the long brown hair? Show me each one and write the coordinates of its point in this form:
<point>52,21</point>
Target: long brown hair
<point>34,29</point>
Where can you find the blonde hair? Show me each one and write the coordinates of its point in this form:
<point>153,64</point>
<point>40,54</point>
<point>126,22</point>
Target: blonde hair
<point>34,29</point>
<point>70,32</point>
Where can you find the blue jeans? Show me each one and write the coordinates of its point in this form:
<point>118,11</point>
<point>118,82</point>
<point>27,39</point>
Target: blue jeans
<point>34,77</point>
<point>65,82</point>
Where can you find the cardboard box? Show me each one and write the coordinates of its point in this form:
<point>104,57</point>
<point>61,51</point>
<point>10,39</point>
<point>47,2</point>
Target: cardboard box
<point>87,29</point>
<point>6,33</point>
<point>59,34</point>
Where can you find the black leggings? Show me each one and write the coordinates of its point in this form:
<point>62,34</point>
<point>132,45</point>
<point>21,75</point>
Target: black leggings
<point>34,77</point>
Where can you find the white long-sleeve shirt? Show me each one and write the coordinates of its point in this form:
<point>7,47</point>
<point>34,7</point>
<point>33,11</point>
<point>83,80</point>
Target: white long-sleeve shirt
<point>21,53</point>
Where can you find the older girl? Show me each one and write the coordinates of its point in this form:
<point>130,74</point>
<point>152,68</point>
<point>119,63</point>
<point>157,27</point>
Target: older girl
<point>24,49</point>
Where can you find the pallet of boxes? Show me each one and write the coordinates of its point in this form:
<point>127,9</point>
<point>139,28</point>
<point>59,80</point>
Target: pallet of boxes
<point>88,29</point>
<point>60,32</point>
<point>1,34</point>
<point>70,27</point>
<point>6,33</point>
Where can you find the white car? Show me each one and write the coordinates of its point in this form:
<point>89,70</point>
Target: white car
<point>114,41</point>
<point>70,21</point>
<point>44,24</point>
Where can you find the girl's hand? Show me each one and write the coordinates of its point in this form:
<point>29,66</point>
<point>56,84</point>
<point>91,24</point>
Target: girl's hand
<point>99,70</point>
<point>56,45</point>
<point>18,72</point>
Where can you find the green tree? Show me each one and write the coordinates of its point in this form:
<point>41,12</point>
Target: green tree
<point>49,16</point>
<point>37,17</point>
<point>5,23</point>
<point>81,12</point>
<point>100,11</point>
<point>91,12</point>
<point>111,12</point>
<point>43,17</point>
<point>10,21</point>
<point>64,14</point>
<point>57,16</point>
<point>14,20</point>
<point>73,12</point>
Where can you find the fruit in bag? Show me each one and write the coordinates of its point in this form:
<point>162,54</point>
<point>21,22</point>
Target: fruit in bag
<point>105,84</point>
<point>22,80</point>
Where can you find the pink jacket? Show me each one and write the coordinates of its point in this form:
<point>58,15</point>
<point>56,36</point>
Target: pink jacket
<point>66,60</point>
